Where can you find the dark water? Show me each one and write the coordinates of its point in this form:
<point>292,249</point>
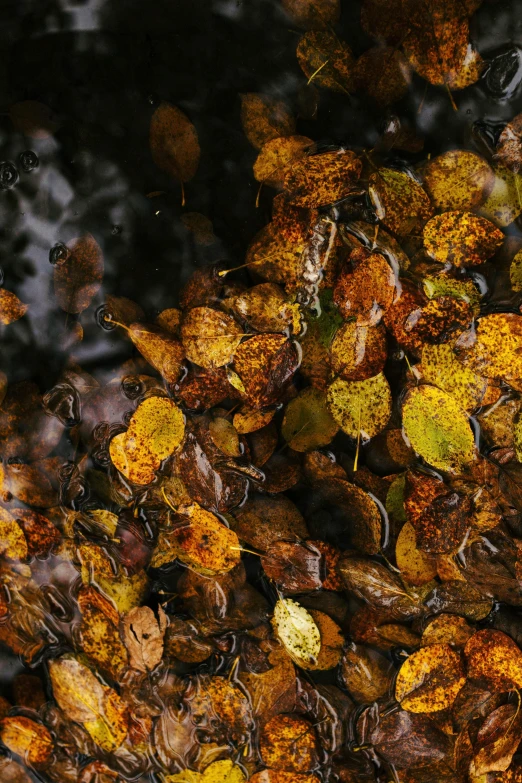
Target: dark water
<point>103,66</point>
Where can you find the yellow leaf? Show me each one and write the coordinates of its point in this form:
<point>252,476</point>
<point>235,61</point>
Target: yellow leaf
<point>28,739</point>
<point>277,157</point>
<point>297,630</point>
<point>461,238</point>
<point>493,656</point>
<point>307,423</point>
<point>209,336</point>
<point>440,367</point>
<point>458,180</point>
<point>504,203</point>
<point>11,308</point>
<point>399,201</point>
<point>415,566</point>
<point>430,679</point>
<point>265,118</point>
<point>12,540</point>
<point>437,428</point>
<point>361,407</point>
<point>326,61</point>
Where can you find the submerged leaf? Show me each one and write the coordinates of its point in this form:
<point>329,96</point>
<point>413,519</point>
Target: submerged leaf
<point>277,157</point>
<point>458,180</point>
<point>11,308</point>
<point>78,276</point>
<point>308,424</point>
<point>326,60</point>
<point>265,118</point>
<point>174,142</point>
<point>313,14</point>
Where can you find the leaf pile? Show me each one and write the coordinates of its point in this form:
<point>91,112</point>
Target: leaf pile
<point>282,541</point>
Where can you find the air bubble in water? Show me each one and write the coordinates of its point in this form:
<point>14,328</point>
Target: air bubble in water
<point>104,318</point>
<point>116,230</point>
<point>57,253</point>
<point>8,175</point>
<point>28,160</point>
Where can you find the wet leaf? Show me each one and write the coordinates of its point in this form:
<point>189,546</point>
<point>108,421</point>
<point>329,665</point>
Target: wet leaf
<point>209,336</point>
<point>322,179</point>
<point>437,428</point>
<point>494,657</point>
<point>374,584</point>
<point>265,364</point>
<point>447,629</point>
<point>85,700</point>
<point>248,419</point>
<point>225,436</point>
<point>326,61</point>
<point>308,424</point>
<point>78,277</point>
<point>332,641</point>
<point>174,142</point>
<point>358,508</point>
<point>264,307</point>
<point>461,239</point>
<point>438,45</point>
<point>383,19</point>
<point>399,201</point>
<point>28,739</point>
<point>459,597</point>
<point>280,776</point>
<point>262,520</point>
<point>13,543</point>
<point>200,541</point>
<point>361,408</point>
<point>265,118</point>
<point>358,352</point>
<point>365,288</point>
<point>504,203</point>
<point>430,679</point>
<point>275,258</point>
<point>289,743</point>
<point>278,156</point>
<point>493,349</point>
<point>294,567</point>
<point>415,566</point>
<point>11,308</point>
<point>366,673</point>
<point>497,740</point>
<point>156,429</point>
<point>313,14</point>
<point>509,145</point>
<point>201,227</point>
<point>272,691</point>
<point>383,73</point>
<point>458,180</point>
<point>297,630</point>
<point>143,635</point>
<point>34,119</point>
<point>440,367</point>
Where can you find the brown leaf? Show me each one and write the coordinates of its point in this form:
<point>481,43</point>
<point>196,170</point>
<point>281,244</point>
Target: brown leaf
<point>144,634</point>
<point>383,73</point>
<point>313,14</point>
<point>493,656</point>
<point>365,288</point>
<point>265,118</point>
<point>174,142</point>
<point>265,364</point>
<point>78,276</point>
<point>322,179</point>
<point>497,740</point>
<point>509,145</point>
<point>262,520</point>
<point>326,61</point>
<point>366,673</point>
<point>278,156</point>
<point>28,739</point>
<point>373,583</point>
<point>461,239</point>
<point>162,351</point>
<point>11,308</point>
<point>289,743</point>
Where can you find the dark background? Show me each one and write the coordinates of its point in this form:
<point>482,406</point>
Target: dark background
<point>102,66</point>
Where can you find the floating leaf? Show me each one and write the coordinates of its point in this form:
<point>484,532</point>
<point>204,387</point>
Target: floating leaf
<point>361,408</point>
<point>200,541</point>
<point>358,352</point>
<point>297,630</point>
<point>162,351</point>
<point>265,364</point>
<point>447,629</point>
<point>493,656</point>
<point>383,19</point>
<point>265,118</point>
<point>494,349</point>
<point>78,276</point>
<point>34,119</point>
<point>12,540</point>
<point>326,61</point>
<point>264,307</point>
<point>332,641</point>
<point>399,201</point>
<point>143,635</point>
<point>308,424</point>
<point>458,180</point>
<point>358,508</point>
<point>248,419</point>
<point>509,145</point>
<point>225,436</point>
<point>289,743</point>
<point>440,367</point>
<point>28,739</point>
<point>365,288</point>
<point>313,14</point>
<point>373,583</point>
<point>322,179</point>
<point>437,428</point>
<point>415,566</point>
<point>430,679</point>
<point>209,336</point>
<point>174,142</point>
<point>278,156</point>
<point>262,520</point>
<point>461,239</point>
<point>156,429</point>
<point>504,203</point>
<point>383,73</point>
<point>11,308</point>
<point>275,258</point>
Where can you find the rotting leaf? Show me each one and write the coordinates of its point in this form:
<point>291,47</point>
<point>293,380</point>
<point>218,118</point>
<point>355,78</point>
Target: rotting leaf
<point>458,180</point>
<point>289,743</point>
<point>78,276</point>
<point>265,118</point>
<point>461,238</point>
<point>174,142</point>
<point>399,200</point>
<point>144,637</point>
<point>326,60</point>
<point>30,740</point>
<point>494,657</point>
<point>322,179</point>
<point>416,567</point>
<point>209,336</point>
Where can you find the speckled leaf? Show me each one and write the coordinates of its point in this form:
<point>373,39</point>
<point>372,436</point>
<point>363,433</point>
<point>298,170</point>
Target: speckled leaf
<point>265,118</point>
<point>430,679</point>
<point>416,567</point>
<point>399,201</point>
<point>504,203</point>
<point>361,407</point>
<point>11,308</point>
<point>322,179</point>
<point>461,239</point>
<point>458,180</point>
<point>278,156</point>
<point>297,630</point>
<point>209,336</point>
<point>509,145</point>
<point>493,656</point>
<point>383,73</point>
<point>313,14</point>
<point>326,61</point>
<point>308,424</point>
<point>437,428</point>
<point>440,367</point>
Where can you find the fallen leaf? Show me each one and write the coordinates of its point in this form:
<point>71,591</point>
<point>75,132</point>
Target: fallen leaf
<point>313,14</point>
<point>365,288</point>
<point>144,637</point>
<point>383,19</point>
<point>202,229</point>
<point>34,119</point>
<point>458,180</point>
<point>289,743</point>
<point>361,408</point>
<point>159,348</point>
<point>28,739</point>
<point>174,142</point>
<point>504,203</point>
<point>461,239</point>
<point>430,679</point>
<point>277,157</point>
<point>78,276</point>
<point>497,741</point>
<point>326,60</point>
<point>383,73</point>
<point>275,258</point>
<point>366,673</point>
<point>11,308</point>
<point>13,543</point>
<point>440,367</point>
<point>265,364</point>
<point>297,630</point>
<point>265,118</point>
<point>209,336</point>
<point>399,201</point>
<point>307,423</point>
<point>437,428</point>
<point>358,352</point>
<point>416,567</point>
<point>509,145</point>
<point>322,179</point>
<point>494,657</point>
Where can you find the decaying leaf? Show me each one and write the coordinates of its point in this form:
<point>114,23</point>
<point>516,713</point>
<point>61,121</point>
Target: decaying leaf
<point>461,238</point>
<point>415,566</point>
<point>278,156</point>
<point>28,739</point>
<point>297,630</point>
<point>322,179</point>
<point>493,656</point>
<point>174,142</point>
<point>289,743</point>
<point>11,308</point>
<point>209,337</point>
<point>308,424</point>
<point>144,637</point>
<point>458,180</point>
<point>399,200</point>
<point>361,408</point>
<point>78,275</point>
